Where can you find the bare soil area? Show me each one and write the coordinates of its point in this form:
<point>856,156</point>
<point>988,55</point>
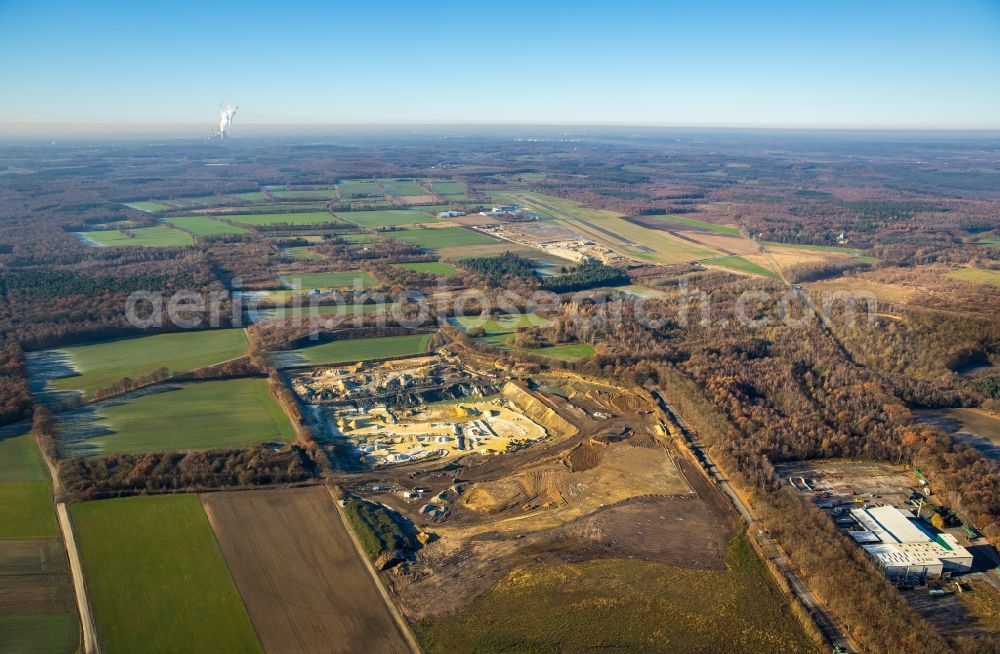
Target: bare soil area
<point>301,578</point>
<point>866,481</point>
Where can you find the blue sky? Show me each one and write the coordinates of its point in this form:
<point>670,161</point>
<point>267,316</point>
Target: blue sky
<point>905,64</point>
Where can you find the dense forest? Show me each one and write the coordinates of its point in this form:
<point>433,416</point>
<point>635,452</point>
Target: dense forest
<point>585,276</point>
<point>502,267</point>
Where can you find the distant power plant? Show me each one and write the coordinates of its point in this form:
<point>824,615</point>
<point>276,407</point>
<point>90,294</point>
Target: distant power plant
<point>226,114</point>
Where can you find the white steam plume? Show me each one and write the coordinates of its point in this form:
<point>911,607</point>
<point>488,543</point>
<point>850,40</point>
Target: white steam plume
<point>226,114</point>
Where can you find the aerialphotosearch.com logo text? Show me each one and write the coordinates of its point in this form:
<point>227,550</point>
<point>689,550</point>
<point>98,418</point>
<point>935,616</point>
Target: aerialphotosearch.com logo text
<point>679,306</point>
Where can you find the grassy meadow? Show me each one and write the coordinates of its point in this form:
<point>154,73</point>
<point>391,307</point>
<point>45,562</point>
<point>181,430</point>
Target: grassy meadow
<point>500,333</point>
<point>701,224</point>
<point>341,279</point>
<point>976,275</point>
<point>621,605</point>
<point>430,267</point>
<point>742,265</point>
<point>301,253</point>
<point>569,352</point>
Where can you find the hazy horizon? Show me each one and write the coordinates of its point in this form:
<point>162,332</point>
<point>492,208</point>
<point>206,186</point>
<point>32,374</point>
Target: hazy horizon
<point>254,131</point>
<point>120,68</point>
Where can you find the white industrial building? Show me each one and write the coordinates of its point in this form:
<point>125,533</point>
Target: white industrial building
<point>903,548</point>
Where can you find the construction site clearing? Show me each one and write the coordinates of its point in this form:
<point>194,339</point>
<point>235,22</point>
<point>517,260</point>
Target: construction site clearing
<point>598,477</point>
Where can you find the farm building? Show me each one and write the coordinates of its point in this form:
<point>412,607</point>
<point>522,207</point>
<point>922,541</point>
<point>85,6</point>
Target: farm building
<point>903,548</point>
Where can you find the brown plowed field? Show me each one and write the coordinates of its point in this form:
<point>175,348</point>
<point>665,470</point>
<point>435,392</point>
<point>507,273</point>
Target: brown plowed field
<point>299,573</point>
<point>34,578</point>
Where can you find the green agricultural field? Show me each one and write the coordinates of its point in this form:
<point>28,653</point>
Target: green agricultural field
<point>430,267</point>
<point>570,352</point>
<point>500,333</point>
<point>445,237</point>
<point>814,248</point>
<point>258,299</point>
<point>359,237</point>
<point>233,413</point>
<point>103,363</point>
<point>160,236</point>
<point>505,324</point>
<point>148,207</point>
<point>433,209</point>
<point>691,222</point>
<point>195,202</point>
<point>401,187</point>
<point>265,207</point>
<point>249,196</point>
<point>742,265</point>
<point>157,579</point>
<point>54,633</point>
<point>365,205</point>
<point>620,605</point>
<point>306,194</point>
<point>306,310</point>
<point>977,275</point>
<point>637,291</point>
<point>204,226</point>
<point>25,491</point>
<point>343,279</point>
<point>26,510</point>
<point>307,218</point>
<point>20,460</point>
<point>359,189</point>
<point>389,218</point>
<point>447,187</point>
<point>354,349</point>
<point>302,253</point>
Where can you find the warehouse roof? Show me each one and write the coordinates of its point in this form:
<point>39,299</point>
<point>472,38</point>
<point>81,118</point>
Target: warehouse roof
<point>892,525</point>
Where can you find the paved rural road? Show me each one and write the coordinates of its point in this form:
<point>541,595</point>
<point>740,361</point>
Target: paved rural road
<point>824,621</point>
<point>91,645</point>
